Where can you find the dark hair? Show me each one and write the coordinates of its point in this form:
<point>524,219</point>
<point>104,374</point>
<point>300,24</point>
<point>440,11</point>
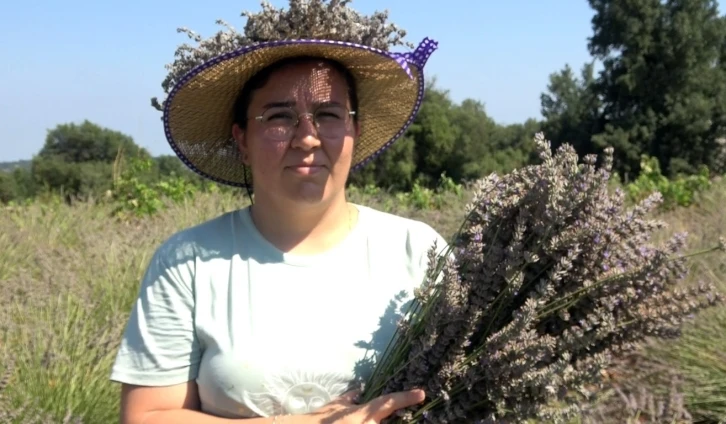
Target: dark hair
<point>258,81</point>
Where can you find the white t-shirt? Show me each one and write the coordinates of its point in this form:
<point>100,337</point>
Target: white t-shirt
<point>264,332</point>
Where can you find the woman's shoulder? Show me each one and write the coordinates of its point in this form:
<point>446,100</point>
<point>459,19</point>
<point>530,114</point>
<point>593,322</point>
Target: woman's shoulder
<point>210,237</point>
<point>388,219</point>
<point>389,226</point>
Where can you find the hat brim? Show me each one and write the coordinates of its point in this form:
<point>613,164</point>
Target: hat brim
<point>198,113</point>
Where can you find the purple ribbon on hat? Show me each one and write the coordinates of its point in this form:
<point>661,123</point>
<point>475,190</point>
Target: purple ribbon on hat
<point>418,57</point>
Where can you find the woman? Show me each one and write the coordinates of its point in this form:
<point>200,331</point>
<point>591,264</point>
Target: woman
<point>271,313</point>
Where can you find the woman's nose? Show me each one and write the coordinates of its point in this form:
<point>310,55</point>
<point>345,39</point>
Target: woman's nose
<point>306,133</point>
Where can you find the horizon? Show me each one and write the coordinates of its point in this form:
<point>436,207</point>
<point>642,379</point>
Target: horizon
<point>81,60</point>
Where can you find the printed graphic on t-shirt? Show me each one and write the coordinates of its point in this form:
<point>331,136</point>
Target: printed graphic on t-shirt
<point>296,393</point>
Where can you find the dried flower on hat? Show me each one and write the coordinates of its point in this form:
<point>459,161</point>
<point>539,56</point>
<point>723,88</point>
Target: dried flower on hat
<point>332,20</point>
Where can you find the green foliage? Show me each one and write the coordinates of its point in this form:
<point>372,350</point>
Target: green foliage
<point>72,179</point>
<point>460,140</point>
<point>8,187</point>
<point>88,142</point>
<point>394,169</point>
<point>17,185</point>
<point>679,191</point>
<point>133,194</point>
<point>663,85</point>
<point>661,91</point>
<point>419,197</point>
<point>424,198</point>
<point>79,160</point>
<point>76,160</point>
<point>170,165</point>
<point>700,357</point>
<point>570,108</point>
<point>10,166</point>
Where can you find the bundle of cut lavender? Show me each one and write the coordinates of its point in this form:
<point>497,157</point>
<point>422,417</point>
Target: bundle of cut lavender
<point>551,277</point>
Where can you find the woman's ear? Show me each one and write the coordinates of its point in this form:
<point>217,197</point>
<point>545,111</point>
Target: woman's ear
<point>239,136</point>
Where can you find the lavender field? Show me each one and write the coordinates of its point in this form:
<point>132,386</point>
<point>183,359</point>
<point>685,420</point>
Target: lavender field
<point>69,275</point>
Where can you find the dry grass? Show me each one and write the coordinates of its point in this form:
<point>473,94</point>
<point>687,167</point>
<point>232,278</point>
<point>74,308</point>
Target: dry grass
<point>69,275</point>
<point>698,358</point>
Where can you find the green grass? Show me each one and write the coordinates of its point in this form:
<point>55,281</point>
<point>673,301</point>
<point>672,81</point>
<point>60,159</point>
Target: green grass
<point>70,274</point>
<point>699,356</point>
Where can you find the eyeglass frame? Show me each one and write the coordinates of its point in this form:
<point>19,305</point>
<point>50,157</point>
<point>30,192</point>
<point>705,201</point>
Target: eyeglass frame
<point>297,115</point>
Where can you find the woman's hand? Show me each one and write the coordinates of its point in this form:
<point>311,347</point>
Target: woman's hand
<point>344,410</point>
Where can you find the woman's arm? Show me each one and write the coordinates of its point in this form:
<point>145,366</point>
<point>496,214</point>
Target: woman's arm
<point>172,404</point>
<point>179,404</point>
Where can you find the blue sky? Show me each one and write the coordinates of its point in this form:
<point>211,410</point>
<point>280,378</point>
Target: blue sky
<point>66,61</point>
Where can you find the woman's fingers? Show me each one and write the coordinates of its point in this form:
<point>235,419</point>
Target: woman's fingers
<point>384,406</point>
<point>350,397</point>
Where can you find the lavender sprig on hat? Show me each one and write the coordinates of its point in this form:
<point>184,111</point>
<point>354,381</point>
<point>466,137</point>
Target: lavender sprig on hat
<point>551,278</point>
<point>331,20</point>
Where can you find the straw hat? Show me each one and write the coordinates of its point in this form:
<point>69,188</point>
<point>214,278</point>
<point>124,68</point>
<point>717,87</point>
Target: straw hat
<point>198,113</point>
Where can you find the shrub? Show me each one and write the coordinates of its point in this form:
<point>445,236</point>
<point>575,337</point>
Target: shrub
<point>679,191</point>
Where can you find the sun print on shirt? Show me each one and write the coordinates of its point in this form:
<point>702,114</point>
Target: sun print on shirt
<point>296,393</point>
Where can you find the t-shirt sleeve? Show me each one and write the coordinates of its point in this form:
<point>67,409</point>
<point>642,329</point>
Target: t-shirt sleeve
<point>159,345</point>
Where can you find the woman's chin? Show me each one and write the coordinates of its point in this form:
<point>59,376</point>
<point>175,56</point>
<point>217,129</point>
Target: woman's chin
<point>309,191</point>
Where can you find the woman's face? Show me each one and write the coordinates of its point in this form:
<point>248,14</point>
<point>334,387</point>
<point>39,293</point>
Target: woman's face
<point>304,166</point>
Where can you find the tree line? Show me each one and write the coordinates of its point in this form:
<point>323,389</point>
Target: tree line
<point>661,95</point>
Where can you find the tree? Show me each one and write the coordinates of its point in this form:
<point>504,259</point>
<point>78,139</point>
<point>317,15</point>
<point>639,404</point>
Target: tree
<point>394,169</point>
<point>513,147</point>
<point>8,188</point>
<point>571,109</point>
<point>663,84</point>
<point>434,135</point>
<point>170,165</point>
<point>424,151</point>
<point>73,179</point>
<point>78,159</point>
<point>88,142</point>
<point>18,184</point>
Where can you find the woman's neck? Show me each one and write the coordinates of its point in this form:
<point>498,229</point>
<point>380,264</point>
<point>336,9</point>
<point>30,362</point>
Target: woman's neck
<point>305,230</point>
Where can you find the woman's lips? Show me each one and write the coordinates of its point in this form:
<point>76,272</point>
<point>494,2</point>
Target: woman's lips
<point>306,169</point>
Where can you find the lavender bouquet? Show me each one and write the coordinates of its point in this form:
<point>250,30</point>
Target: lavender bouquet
<point>549,278</point>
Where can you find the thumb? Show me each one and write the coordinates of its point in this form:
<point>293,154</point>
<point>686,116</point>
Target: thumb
<point>384,406</point>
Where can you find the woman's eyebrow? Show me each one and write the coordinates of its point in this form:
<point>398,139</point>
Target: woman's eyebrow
<point>291,103</point>
<point>286,103</point>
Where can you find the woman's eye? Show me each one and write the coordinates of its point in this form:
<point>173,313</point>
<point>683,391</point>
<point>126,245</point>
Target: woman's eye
<point>329,115</point>
<point>280,116</point>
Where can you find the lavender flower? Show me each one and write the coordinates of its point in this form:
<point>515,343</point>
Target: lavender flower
<point>552,279</point>
<point>335,20</point>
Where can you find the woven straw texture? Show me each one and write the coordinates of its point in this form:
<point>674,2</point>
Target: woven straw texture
<point>199,114</point>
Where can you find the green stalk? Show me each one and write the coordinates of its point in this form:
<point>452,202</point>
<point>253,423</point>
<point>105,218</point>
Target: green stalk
<point>573,297</point>
<point>387,357</point>
<point>399,347</point>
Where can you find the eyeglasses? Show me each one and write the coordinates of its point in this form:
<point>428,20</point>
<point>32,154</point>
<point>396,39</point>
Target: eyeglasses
<point>280,123</point>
